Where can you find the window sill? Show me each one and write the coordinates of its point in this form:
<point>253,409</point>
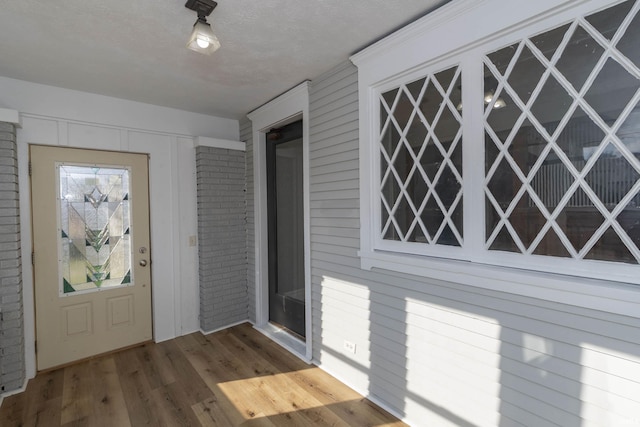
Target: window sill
<point>603,295</point>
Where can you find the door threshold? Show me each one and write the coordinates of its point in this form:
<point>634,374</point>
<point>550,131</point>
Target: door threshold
<point>285,339</point>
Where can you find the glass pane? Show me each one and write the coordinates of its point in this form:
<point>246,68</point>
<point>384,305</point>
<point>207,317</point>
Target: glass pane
<point>549,42</point>
<point>390,140</point>
<point>415,88</point>
<point>492,218</point>
<point>403,111</point>
<point>611,177</point>
<point>608,21</point>
<point>404,216</point>
<point>289,210</point>
<point>447,187</point>
<point>504,242</point>
<point>579,58</point>
<point>504,184</point>
<point>628,45</point>
<point>526,146</point>
<point>423,156</point>
<point>610,247</point>
<point>430,104</point>
<point>552,181</point>
<point>432,217</point>
<point>501,58</point>
<point>431,160</point>
<point>94,228</point>
<point>579,219</point>
<point>611,91</point>
<point>527,219</point>
<point>525,75</point>
<point>416,134</point>
<point>579,138</point>
<point>551,105</point>
<point>576,141</point>
<point>551,245</point>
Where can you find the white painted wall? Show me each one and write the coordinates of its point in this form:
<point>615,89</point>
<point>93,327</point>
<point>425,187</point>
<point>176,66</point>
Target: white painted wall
<point>55,116</point>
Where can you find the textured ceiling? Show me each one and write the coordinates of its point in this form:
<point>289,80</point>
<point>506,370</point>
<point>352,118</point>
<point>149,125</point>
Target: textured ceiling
<point>136,49</point>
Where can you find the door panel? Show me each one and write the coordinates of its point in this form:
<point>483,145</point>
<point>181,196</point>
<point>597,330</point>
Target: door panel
<point>91,238</point>
<point>286,227</point>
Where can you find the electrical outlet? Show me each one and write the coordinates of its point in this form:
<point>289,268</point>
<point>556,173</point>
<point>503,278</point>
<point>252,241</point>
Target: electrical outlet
<point>350,347</point>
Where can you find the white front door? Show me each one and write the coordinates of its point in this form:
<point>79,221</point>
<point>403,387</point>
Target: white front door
<point>91,252</point>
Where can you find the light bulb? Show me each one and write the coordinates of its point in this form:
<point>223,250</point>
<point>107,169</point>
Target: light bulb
<point>203,42</point>
<point>500,103</point>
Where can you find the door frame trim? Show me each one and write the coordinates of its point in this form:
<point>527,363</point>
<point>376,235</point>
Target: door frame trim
<point>287,108</point>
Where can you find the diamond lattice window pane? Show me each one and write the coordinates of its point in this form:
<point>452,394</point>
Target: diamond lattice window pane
<point>611,91</point>
<point>430,104</point>
<point>421,160</point>
<point>609,20</point>
<point>549,42</point>
<point>628,44</point>
<point>552,170</point>
<point>502,58</point>
<point>560,167</point>
<point>525,75</point>
<point>611,177</point>
<point>580,137</point>
<point>579,57</point>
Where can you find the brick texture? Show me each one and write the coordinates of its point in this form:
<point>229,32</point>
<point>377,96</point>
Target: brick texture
<point>222,237</point>
<point>12,367</point>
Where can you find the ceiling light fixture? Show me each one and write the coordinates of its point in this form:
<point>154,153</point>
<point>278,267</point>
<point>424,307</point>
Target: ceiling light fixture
<point>488,98</point>
<point>202,38</point>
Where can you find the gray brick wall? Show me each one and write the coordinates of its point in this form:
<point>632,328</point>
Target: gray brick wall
<point>222,234</point>
<point>12,369</point>
<point>246,135</point>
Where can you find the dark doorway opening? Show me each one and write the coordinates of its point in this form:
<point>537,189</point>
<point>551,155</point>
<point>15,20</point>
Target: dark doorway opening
<point>285,215</point>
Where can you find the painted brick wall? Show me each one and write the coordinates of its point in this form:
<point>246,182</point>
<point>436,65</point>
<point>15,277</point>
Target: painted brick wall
<point>222,226</point>
<point>11,321</point>
<point>246,135</point>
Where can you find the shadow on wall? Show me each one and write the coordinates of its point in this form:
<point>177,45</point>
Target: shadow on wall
<point>446,354</point>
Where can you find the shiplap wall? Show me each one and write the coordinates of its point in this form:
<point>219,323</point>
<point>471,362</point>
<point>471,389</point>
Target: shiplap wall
<point>246,136</point>
<point>441,353</point>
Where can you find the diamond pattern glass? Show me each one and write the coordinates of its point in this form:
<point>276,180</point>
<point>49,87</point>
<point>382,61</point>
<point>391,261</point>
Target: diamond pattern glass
<point>562,151</point>
<point>94,228</point>
<point>421,163</point>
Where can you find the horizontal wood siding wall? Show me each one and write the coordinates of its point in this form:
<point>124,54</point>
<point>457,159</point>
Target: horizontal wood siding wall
<point>443,353</point>
<point>246,135</point>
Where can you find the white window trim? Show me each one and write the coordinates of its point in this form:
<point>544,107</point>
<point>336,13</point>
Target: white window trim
<point>411,52</point>
<point>285,109</point>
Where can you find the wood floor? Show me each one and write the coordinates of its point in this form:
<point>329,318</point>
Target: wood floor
<point>230,378</point>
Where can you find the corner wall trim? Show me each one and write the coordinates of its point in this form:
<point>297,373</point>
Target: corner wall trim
<point>204,141</point>
<point>10,116</point>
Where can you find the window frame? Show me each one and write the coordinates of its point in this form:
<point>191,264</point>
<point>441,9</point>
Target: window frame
<point>410,55</point>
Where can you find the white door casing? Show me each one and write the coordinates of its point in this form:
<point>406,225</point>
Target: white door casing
<point>285,109</point>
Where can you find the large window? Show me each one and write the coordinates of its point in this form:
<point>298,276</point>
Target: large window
<point>549,126</point>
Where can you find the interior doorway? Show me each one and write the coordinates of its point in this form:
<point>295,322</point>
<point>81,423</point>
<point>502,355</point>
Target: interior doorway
<point>285,217</point>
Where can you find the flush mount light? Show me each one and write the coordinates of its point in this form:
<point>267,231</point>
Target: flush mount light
<point>202,38</point>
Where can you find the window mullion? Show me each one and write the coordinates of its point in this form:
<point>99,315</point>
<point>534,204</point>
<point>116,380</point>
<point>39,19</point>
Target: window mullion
<point>473,155</point>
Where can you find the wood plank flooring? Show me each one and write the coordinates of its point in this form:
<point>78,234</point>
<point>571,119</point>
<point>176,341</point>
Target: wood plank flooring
<point>236,377</point>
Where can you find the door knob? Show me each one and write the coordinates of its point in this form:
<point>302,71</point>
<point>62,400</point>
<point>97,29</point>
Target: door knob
<point>143,262</point>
